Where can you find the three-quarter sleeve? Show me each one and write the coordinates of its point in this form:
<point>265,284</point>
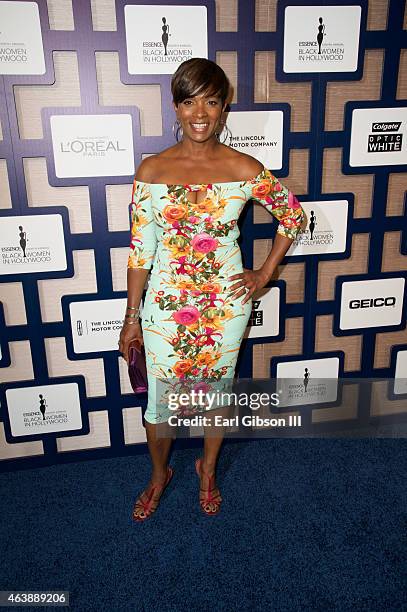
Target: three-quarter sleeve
<point>279,201</point>
<point>143,242</point>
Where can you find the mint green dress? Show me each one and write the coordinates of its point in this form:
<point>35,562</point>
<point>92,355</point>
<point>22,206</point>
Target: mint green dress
<point>192,325</point>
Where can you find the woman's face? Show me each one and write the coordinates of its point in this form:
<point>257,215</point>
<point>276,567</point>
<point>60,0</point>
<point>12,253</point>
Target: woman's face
<point>199,116</point>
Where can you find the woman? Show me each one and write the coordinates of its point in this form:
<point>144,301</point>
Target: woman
<point>186,202</point>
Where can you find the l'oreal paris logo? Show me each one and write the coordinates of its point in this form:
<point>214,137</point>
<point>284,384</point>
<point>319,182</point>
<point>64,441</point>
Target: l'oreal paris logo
<point>90,147</point>
<point>373,302</point>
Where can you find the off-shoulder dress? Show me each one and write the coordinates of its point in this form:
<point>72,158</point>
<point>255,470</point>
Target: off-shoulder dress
<point>192,325</point>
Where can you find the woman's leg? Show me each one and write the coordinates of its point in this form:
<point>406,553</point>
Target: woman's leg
<point>212,444</point>
<point>214,435</point>
<point>159,444</point>
<point>159,441</point>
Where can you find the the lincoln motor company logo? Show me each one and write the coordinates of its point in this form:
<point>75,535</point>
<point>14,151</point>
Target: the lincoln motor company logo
<point>319,48</point>
<point>91,146</point>
<point>162,50</point>
<point>23,253</point>
<point>250,140</point>
<point>385,137</point>
<point>88,327</point>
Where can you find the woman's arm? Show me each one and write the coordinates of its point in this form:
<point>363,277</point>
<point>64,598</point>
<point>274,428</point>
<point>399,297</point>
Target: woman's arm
<point>282,204</point>
<point>136,280</point>
<point>143,246</point>
<point>281,244</point>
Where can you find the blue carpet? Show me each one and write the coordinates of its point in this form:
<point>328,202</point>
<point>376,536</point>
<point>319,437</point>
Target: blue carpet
<point>305,525</point>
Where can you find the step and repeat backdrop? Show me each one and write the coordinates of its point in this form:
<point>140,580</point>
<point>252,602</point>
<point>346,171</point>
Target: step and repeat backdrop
<point>319,96</point>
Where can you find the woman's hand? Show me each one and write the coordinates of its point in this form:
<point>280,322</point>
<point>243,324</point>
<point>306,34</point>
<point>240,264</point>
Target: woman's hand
<point>131,333</point>
<point>249,282</point>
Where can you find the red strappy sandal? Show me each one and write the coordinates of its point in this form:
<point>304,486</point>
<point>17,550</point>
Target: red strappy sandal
<point>209,498</point>
<point>147,505</point>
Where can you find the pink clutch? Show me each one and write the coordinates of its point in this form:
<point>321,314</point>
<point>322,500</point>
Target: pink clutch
<point>138,369</point>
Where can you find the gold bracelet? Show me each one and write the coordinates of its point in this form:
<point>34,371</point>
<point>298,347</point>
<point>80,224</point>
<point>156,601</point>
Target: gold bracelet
<point>133,307</point>
<point>130,322</point>
<point>131,316</point>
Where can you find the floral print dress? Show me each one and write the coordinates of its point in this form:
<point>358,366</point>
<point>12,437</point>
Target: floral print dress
<point>192,325</point>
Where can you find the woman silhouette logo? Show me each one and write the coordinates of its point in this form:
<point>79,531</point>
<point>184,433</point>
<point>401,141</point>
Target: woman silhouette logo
<point>321,34</point>
<point>306,378</point>
<point>166,33</point>
<point>23,239</point>
<point>43,405</point>
<point>312,224</point>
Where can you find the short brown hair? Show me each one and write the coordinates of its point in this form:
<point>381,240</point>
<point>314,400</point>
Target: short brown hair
<point>196,76</point>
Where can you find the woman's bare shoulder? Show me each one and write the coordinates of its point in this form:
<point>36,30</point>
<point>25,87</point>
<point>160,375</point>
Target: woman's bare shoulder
<point>147,169</point>
<point>151,166</point>
<point>245,166</point>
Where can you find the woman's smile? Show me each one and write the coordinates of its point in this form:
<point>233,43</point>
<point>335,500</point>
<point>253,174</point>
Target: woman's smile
<point>199,127</point>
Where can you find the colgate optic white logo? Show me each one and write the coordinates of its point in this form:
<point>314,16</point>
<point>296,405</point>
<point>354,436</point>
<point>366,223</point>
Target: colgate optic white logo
<point>381,141</point>
<point>378,136</point>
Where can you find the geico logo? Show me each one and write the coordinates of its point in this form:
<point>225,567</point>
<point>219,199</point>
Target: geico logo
<point>373,302</point>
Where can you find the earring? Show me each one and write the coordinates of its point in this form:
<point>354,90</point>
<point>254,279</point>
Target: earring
<point>226,133</point>
<point>177,130</point>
